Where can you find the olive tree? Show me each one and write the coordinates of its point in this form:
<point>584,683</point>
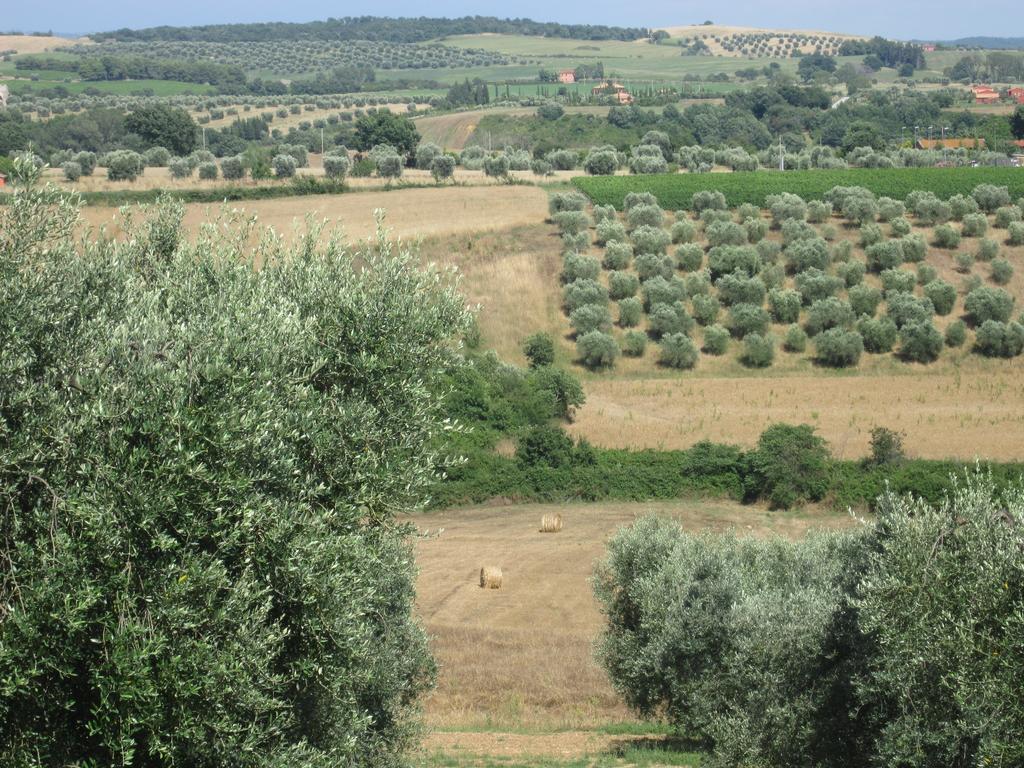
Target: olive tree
<point>442,168</point>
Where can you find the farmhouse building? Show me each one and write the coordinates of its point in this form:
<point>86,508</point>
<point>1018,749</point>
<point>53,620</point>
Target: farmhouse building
<point>1017,94</point>
<point>567,76</point>
<point>984,94</point>
<point>615,90</point>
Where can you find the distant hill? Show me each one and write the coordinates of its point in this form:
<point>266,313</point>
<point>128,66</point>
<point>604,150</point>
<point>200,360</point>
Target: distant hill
<point>989,43</point>
<point>399,30</point>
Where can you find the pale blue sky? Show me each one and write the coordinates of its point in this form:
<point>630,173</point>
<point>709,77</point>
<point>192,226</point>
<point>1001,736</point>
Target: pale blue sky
<point>925,19</point>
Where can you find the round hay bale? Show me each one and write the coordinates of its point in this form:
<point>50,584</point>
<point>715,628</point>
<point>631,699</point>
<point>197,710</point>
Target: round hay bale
<point>550,523</point>
<point>490,577</point>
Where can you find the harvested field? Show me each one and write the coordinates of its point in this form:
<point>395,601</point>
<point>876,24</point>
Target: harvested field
<point>34,43</point>
<point>410,212</point>
<point>522,656</point>
<point>953,414</point>
<point>453,131</point>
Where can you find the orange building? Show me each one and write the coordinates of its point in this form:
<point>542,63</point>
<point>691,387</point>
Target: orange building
<point>567,76</point>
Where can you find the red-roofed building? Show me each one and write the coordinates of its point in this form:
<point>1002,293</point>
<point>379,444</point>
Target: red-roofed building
<point>567,76</point>
<point>1017,94</point>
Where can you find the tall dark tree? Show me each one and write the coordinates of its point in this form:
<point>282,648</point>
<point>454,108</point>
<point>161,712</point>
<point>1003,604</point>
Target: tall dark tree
<point>385,127</point>
<point>163,126</point>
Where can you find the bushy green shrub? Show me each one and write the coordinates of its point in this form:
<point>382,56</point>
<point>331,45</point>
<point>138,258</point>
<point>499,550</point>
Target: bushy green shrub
<point>597,350</point>
<point>630,312</point>
<point>716,339</point>
<point>590,317</point>
<point>988,249</point>
<point>878,334</point>
<point>603,213</point>
<point>645,216</point>
<point>208,171</point>
<point>576,266</point>
<point>571,222</point>
<point>828,313</point>
<point>786,206</point>
<point>920,342</point>
<point>683,232</point>
<point>773,276</point>
<point>1006,216</point>
<point>124,165</point>
<point>963,263</point>
<point>796,339</point>
<point>914,247</point>
<point>622,285</point>
<point>930,210</point>
<point>179,168</point>
<point>842,252</point>
<point>926,273</point>
<point>1015,233</point>
<point>708,199</point>
<point>689,257</point>
<point>974,225</point>
<point>580,292</point>
<point>156,157</point>
<point>947,236</point>
<point>988,304</point>
<point>651,265</point>
<point>748,318</point>
<point>897,281</point>
<point>1001,271</point>
<point>658,290</point>
<point>667,319</point>
<point>539,349</point>
<point>851,273</point>
<point>617,255</point>
<point>728,259</point>
<point>882,256</point>
<point>705,308</point>
<point>870,234</point>
<point>785,305</point>
<point>634,343</point>
<point>814,285</point>
<point>714,216</point>
<point>956,334</point>
<point>999,339</point>
<point>756,229</point>
<point>651,239</point>
<point>72,170</point>
<point>889,210</point>
<point>758,351</point>
<point>567,201</point>
<point>677,350</point>
<point>87,160</point>
<point>989,197</point>
<point>233,168</point>
<point>904,308</point>
<point>725,233</point>
<point>807,254</point>
<point>698,283</point>
<point>942,296</point>
<point>962,206</point>
<point>818,211</point>
<point>769,251</point>
<point>838,347</point>
<point>789,466</point>
<point>737,288</point>
<point>284,166</point>
<point>899,227</point>
<point>218,483</point>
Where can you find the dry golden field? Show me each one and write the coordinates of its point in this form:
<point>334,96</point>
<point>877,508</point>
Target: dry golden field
<point>409,212</point>
<point>522,656</point>
<point>35,43</point>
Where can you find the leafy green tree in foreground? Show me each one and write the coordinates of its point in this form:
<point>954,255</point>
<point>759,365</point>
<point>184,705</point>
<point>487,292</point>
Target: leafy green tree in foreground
<point>161,125</point>
<point>385,127</point>
<point>200,465</point>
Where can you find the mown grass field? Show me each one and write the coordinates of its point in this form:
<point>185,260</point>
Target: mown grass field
<point>675,191</point>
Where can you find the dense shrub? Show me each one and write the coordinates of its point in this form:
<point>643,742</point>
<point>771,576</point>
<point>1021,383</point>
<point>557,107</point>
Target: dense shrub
<point>651,239</point>
<point>926,273</point>
<point>963,263</point>
<point>897,281</point>
<point>705,308</point>
<point>72,170</point>
<point>920,342</point>
<point>769,251</point>
<point>785,305</point>
<point>877,334</point>
<point>645,216</point>
<point>987,249</point>
<point>889,210</point>
<point>737,288</point>
<point>818,211</point>
<point>942,295</point>
<point>807,254</point>
<point>758,351</point>
<point>539,349</point>
<point>756,229</point>
<point>617,255</point>
<point>208,566</point>
<point>590,317</point>
<point>725,233</point>
<point>1001,271</point>
<point>576,266</point>
<point>124,165</point>
<point>683,232</point>
<point>667,319</point>
<point>786,206</point>
<point>900,227</point>
<point>208,171</point>
<point>838,347</point>
<point>597,350</point>
<point>947,236</point>
<point>796,339</point>
<point>630,312</point>
<point>156,157</point>
<point>904,308</point>
<point>1006,216</point>
<point>974,225</point>
<point>870,234</point>
<point>851,273</point>
<point>622,285</point>
<point>1015,233</point>
<point>284,166</point>
<point>860,209</point>
<point>956,334</point>
<point>567,201</point>
<point>789,466</point>
<point>728,259</point>
<point>634,199</point>
<point>814,285</point>
<point>651,265</point>
<point>914,247</point>
<point>580,292</point>
<point>677,350</point>
<point>87,160</point>
<point>233,168</point>
<point>828,313</point>
<point>571,222</point>
<point>689,257</point>
<point>989,197</point>
<point>748,318</point>
<point>708,199</point>
<point>716,339</point>
<point>634,343</point>
<point>962,206</point>
<point>988,304</point>
<point>180,168</point>
<point>999,339</point>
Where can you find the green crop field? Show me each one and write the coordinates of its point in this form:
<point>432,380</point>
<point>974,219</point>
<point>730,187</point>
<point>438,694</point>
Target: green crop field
<point>674,191</point>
